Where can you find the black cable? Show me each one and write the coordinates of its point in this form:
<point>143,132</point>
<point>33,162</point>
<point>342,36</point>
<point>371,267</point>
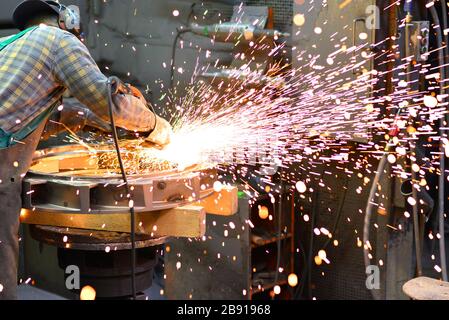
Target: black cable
<point>371,197</point>
<point>339,212</point>
<point>446,49</point>
<point>312,233</point>
<point>416,233</point>
<point>333,232</point>
<point>446,35</point>
<point>299,289</point>
<point>307,273</point>
<point>191,13</point>
<point>416,222</point>
<point>179,33</point>
<point>111,81</point>
<point>279,233</point>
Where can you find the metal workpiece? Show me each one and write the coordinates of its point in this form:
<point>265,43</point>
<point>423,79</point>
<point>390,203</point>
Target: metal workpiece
<point>91,240</point>
<point>78,183</point>
<point>102,258</point>
<point>74,179</point>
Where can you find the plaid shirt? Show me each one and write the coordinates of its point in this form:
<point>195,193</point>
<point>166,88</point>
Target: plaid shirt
<point>37,68</point>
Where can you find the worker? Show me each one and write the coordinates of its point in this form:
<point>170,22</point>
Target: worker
<point>36,66</point>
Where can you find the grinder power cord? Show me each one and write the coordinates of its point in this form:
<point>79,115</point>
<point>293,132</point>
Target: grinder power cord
<point>111,82</point>
<point>161,132</point>
<point>160,135</point>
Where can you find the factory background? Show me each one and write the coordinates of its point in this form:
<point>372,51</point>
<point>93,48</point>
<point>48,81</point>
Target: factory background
<point>135,40</point>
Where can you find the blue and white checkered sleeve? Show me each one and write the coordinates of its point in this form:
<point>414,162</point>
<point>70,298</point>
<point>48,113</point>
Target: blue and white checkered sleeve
<point>75,69</point>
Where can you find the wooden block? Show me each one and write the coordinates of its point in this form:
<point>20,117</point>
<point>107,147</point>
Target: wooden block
<point>85,162</point>
<point>187,221</point>
<point>46,166</point>
<point>423,288</point>
<point>223,203</point>
<point>61,164</point>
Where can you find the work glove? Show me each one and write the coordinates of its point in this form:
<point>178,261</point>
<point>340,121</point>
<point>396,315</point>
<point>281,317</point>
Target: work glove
<point>131,90</point>
<point>162,133</point>
<point>136,93</point>
<point>75,117</point>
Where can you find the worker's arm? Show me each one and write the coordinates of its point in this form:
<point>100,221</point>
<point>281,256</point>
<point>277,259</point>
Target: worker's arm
<point>75,69</point>
<point>72,116</point>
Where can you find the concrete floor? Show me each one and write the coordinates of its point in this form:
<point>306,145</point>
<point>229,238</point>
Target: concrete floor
<point>27,292</point>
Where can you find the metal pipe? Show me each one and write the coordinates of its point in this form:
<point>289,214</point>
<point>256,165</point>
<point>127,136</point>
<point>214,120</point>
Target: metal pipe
<point>369,211</point>
<point>441,180</point>
<point>279,234</point>
<point>383,161</point>
<point>425,204</point>
<point>96,8</point>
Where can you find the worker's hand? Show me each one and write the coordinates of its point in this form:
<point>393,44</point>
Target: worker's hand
<point>129,89</point>
<point>136,93</point>
<point>162,133</point>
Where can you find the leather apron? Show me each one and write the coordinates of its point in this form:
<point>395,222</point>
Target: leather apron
<point>14,164</point>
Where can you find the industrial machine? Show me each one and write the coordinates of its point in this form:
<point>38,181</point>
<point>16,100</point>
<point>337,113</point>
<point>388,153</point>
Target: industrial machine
<point>75,200</point>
